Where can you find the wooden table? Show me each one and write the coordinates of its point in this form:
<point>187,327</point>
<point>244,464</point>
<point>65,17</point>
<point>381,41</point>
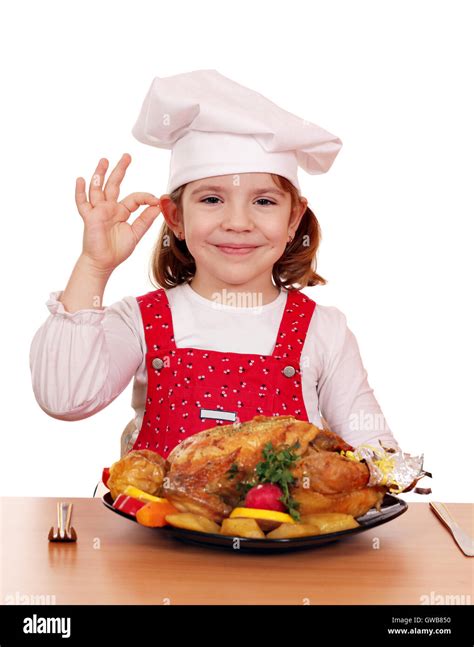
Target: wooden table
<point>116,561</point>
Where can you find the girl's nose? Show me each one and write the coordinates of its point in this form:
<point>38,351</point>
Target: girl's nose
<point>237,218</point>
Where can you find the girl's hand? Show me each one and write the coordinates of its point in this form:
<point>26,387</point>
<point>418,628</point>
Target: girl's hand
<point>108,238</point>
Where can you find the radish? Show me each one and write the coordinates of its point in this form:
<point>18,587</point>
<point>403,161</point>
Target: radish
<point>265,496</point>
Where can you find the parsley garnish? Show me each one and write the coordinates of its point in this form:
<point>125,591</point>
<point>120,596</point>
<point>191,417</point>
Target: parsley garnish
<point>242,487</point>
<point>275,468</point>
<point>232,471</point>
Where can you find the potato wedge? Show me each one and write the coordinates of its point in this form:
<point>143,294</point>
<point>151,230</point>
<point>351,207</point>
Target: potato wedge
<point>330,521</point>
<point>248,528</point>
<point>290,530</point>
<point>191,521</point>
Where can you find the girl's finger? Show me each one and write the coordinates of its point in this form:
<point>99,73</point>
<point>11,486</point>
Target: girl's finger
<point>95,187</point>
<point>81,198</point>
<point>144,221</point>
<point>134,200</point>
<point>112,186</point>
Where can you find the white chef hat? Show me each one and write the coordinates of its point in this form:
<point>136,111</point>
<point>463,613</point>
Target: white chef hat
<point>215,126</point>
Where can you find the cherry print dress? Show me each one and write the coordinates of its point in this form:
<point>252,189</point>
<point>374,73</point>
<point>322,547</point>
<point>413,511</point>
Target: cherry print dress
<point>192,389</point>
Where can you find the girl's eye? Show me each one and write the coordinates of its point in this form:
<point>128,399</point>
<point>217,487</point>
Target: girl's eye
<point>213,197</point>
<point>266,200</point>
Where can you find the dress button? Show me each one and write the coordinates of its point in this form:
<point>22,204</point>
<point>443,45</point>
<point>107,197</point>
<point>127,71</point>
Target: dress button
<point>289,371</point>
<point>157,363</point>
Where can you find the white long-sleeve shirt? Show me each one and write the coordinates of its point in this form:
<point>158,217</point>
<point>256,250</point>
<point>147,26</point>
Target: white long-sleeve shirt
<point>81,361</point>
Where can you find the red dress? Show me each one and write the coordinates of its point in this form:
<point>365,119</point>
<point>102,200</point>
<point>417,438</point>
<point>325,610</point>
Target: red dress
<point>191,389</point>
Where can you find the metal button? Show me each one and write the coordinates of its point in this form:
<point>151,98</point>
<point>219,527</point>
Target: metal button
<point>289,371</point>
<point>157,363</point>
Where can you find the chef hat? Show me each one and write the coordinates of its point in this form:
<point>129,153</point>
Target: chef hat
<point>215,126</point>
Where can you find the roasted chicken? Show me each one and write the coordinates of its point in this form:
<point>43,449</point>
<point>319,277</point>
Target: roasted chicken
<point>198,475</point>
<point>205,473</point>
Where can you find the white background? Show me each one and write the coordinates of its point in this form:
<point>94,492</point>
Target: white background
<point>392,79</point>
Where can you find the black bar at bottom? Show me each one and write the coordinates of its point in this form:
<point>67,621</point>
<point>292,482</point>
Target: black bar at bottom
<point>169,624</point>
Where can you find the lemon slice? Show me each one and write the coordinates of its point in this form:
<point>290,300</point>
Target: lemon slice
<point>266,519</point>
<point>136,493</point>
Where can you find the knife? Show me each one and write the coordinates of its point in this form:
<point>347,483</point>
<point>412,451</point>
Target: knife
<point>461,537</point>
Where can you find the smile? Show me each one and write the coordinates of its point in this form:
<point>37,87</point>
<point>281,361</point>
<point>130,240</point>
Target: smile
<point>236,250</point>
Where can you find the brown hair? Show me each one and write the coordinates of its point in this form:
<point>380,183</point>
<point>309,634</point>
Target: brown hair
<point>173,264</point>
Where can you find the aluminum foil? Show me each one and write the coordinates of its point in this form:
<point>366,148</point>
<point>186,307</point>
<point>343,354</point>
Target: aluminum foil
<point>398,471</point>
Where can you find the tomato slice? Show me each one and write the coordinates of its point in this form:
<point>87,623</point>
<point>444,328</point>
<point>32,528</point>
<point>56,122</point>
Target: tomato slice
<point>105,475</point>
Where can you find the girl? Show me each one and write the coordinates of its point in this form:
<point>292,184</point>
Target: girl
<point>228,333</point>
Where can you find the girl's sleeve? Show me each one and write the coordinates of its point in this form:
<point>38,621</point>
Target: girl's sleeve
<point>81,361</point>
<point>346,400</point>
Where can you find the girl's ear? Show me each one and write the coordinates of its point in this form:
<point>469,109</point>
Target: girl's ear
<point>170,212</point>
<point>296,214</point>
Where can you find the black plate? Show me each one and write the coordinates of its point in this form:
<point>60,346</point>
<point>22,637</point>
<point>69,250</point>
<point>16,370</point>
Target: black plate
<point>391,508</point>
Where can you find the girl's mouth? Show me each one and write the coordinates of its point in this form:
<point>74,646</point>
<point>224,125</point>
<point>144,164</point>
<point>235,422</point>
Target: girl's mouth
<point>236,250</point>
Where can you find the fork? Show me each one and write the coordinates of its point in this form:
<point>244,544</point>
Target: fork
<point>465,543</point>
<point>65,532</point>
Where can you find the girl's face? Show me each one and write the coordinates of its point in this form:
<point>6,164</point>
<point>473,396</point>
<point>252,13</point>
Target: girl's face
<point>235,226</point>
